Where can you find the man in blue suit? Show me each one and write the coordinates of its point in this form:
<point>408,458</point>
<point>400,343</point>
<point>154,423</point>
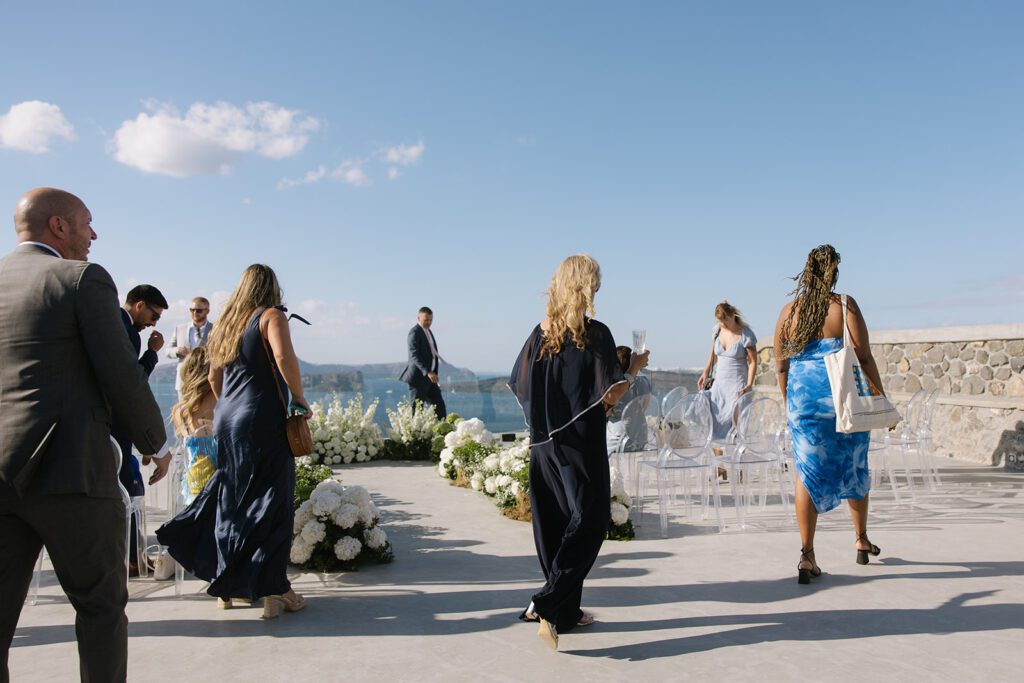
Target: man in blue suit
<point>424,362</point>
<point>142,308</point>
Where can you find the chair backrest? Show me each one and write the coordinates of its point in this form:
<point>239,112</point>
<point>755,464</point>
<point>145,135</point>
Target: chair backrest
<point>671,398</point>
<point>686,429</point>
<point>636,434</point>
<point>927,409</point>
<point>761,423</point>
<point>912,413</point>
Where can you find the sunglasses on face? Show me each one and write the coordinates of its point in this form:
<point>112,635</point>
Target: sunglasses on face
<point>156,316</point>
<point>199,310</point>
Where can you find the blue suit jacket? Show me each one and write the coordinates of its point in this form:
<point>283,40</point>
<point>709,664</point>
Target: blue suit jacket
<point>129,466</point>
<point>421,359</point>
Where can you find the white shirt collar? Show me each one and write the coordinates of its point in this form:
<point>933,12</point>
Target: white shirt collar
<point>44,246</point>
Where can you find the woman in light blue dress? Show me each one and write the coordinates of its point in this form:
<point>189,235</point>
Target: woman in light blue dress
<point>832,466</point>
<point>734,351</point>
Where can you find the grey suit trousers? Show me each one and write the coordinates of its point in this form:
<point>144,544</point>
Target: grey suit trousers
<point>85,539</point>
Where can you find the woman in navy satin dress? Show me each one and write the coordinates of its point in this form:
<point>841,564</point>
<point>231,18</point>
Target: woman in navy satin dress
<point>237,533</point>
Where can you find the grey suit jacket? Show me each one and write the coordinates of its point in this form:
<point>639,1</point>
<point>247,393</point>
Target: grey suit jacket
<point>66,366</point>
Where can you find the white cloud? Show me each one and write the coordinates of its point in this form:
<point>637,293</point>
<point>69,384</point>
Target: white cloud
<point>311,177</point>
<point>351,172</point>
<point>393,173</point>
<point>31,126</point>
<point>209,138</point>
<point>403,155</point>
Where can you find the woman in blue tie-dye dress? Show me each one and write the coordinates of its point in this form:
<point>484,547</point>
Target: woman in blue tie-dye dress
<point>833,466</point>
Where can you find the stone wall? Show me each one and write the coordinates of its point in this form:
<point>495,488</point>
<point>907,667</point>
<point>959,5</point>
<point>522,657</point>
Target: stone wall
<point>978,370</point>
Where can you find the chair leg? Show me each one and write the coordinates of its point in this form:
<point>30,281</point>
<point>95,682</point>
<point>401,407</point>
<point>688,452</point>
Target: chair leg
<point>37,578</point>
<point>662,504</point>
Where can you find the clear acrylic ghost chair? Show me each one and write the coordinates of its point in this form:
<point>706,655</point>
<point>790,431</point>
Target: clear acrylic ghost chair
<point>900,443</point>
<point>925,442</point>
<point>758,456</point>
<point>684,454</point>
<point>671,398</point>
<point>636,436</point>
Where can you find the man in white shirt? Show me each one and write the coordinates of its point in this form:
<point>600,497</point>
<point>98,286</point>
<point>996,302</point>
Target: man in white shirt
<point>188,336</point>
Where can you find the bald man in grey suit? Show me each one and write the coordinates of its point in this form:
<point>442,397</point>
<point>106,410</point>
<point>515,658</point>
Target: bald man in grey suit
<point>66,368</point>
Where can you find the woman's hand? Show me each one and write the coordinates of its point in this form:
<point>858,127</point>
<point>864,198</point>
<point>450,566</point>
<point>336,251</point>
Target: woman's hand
<point>700,381</point>
<point>638,362</point>
<point>744,390</point>
<point>300,402</point>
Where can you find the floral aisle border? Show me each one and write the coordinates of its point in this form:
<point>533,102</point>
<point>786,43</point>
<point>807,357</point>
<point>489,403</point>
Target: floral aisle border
<point>336,527</point>
<point>346,433</point>
<point>474,458</point>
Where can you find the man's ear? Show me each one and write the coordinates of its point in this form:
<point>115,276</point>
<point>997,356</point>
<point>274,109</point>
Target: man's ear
<point>57,227</point>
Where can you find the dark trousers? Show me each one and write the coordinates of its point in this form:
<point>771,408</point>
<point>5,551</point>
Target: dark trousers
<point>431,393</point>
<point>570,499</point>
<point>85,538</point>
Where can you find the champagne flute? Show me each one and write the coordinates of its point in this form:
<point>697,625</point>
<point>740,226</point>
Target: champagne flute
<point>639,341</point>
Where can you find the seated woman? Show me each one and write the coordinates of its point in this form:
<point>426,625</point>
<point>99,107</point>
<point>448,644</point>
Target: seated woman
<point>193,421</point>
<point>734,349</point>
<point>635,433</point>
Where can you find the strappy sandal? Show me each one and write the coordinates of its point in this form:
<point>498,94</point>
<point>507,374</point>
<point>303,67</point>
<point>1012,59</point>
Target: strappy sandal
<point>862,555</point>
<point>804,575</point>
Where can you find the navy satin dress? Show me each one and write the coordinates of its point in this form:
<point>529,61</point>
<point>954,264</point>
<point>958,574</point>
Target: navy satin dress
<point>237,533</point>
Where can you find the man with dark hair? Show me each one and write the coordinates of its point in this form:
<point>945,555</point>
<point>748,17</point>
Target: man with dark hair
<point>424,362</point>
<point>66,368</point>
<point>142,308</point>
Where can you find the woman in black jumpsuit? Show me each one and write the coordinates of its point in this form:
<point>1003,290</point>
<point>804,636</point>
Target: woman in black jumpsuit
<point>565,378</point>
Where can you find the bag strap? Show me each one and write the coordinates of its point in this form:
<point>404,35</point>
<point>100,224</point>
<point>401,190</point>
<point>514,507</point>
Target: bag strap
<point>273,366</point>
<point>846,325</point>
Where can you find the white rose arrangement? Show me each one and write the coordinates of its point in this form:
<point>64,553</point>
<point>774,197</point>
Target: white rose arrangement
<point>337,528</point>
<point>345,434</point>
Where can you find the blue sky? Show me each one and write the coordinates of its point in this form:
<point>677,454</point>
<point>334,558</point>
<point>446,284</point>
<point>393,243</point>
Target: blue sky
<point>455,152</point>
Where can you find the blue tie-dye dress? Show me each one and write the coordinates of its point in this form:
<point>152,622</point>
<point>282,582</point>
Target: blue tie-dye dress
<point>832,465</point>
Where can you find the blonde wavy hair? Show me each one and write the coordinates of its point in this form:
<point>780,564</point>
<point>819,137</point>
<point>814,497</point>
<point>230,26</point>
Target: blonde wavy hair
<point>726,310</point>
<point>258,288</point>
<point>811,299</point>
<point>195,385</point>
<point>570,298</point>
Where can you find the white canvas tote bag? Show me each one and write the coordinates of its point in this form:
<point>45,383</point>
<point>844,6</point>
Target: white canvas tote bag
<point>857,409</point>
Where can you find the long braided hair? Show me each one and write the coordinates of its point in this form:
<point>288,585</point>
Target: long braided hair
<point>811,299</point>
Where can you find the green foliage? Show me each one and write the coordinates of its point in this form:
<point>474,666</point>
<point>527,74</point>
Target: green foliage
<point>307,476</point>
<point>621,532</point>
<point>469,455</point>
<point>414,450</point>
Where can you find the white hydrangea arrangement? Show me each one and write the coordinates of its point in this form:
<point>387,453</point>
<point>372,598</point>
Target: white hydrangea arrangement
<point>501,472</point>
<point>343,434</point>
<point>337,528</point>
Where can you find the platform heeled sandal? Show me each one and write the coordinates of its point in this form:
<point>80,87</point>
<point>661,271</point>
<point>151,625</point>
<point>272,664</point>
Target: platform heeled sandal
<point>804,575</point>
<point>862,555</point>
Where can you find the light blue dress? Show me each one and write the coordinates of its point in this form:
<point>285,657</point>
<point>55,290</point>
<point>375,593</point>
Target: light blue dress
<point>832,465</point>
<point>730,376</point>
